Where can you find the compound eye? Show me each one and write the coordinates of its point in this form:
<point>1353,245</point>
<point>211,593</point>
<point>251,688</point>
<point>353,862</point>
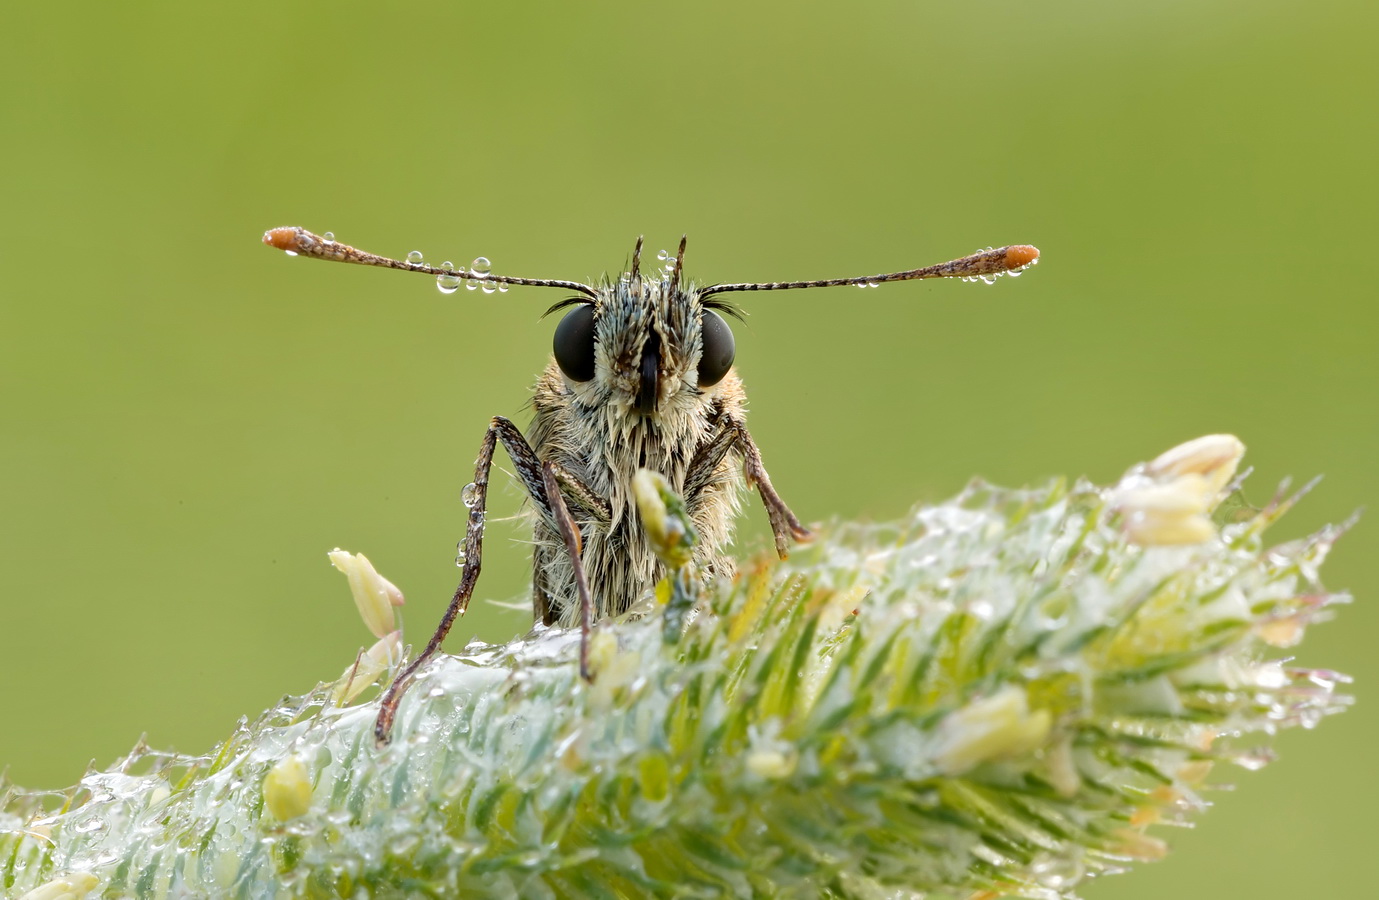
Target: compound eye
<point>719,349</point>
<point>574,343</point>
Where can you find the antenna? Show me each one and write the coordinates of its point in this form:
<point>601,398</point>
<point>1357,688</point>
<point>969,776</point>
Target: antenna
<point>299,242</point>
<point>987,265</point>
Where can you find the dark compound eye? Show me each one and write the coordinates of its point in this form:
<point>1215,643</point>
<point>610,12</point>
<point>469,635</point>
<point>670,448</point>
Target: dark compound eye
<point>574,343</point>
<point>719,349</point>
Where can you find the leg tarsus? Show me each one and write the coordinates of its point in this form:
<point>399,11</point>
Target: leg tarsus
<point>542,483</point>
<point>573,545</point>
<point>784,525</point>
<point>498,427</point>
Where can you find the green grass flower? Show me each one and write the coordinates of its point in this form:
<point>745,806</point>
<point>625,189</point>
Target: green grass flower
<point>1000,695</point>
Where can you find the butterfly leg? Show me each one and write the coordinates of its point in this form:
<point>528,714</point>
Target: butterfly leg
<point>533,476</point>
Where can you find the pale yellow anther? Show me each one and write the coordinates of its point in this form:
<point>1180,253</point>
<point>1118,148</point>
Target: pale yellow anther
<point>1138,845</point>
<point>1168,514</point>
<point>1156,530</point>
<point>287,789</point>
<point>603,649</point>
<point>370,664</point>
<point>72,886</point>
<point>646,488</point>
<point>1214,456</point>
<point>990,728</point>
<point>664,518</point>
<point>374,595</point>
<point>771,764</point>
<point>1062,767</point>
<point>1184,495</point>
<point>1284,632</point>
<point>1170,502</point>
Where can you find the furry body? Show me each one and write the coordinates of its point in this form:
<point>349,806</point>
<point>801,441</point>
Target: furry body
<point>595,433</point>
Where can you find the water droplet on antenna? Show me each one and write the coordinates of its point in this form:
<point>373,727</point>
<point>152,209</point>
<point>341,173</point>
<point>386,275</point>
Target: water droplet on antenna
<point>470,495</point>
<point>459,554</point>
<point>479,269</point>
<point>329,237</point>
<point>448,284</point>
<point>414,257</point>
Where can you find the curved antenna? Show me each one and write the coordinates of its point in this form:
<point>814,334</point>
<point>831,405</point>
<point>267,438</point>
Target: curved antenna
<point>986,265</point>
<point>300,242</point>
<point>679,265</point>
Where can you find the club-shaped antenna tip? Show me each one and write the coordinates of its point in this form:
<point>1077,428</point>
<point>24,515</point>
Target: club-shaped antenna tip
<point>281,238</point>
<point>1017,257</point>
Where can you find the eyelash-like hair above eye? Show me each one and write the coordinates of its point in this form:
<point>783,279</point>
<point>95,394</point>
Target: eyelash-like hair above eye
<point>723,306</point>
<point>566,304</point>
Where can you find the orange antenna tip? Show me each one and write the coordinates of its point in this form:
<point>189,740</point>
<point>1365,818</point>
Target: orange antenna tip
<point>1019,256</point>
<point>282,238</point>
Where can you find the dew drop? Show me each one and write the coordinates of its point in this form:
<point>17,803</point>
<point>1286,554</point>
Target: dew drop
<point>479,268</point>
<point>329,237</point>
<point>414,257</point>
<point>90,825</point>
<point>989,279</point>
<point>502,288</point>
<point>448,284</point>
<point>470,495</point>
<point>460,558</point>
<point>662,255</point>
<point>290,252</point>
<point>1252,761</point>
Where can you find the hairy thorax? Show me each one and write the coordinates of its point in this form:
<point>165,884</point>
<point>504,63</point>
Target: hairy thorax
<point>587,431</point>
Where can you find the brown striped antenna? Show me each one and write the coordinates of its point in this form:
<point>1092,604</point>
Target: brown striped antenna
<point>300,242</point>
<point>985,265</point>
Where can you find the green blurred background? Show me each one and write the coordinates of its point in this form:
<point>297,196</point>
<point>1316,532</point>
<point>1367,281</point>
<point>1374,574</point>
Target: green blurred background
<point>191,421</point>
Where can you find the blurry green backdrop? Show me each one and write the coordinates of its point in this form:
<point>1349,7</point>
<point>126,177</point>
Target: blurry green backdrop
<point>188,421</point>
